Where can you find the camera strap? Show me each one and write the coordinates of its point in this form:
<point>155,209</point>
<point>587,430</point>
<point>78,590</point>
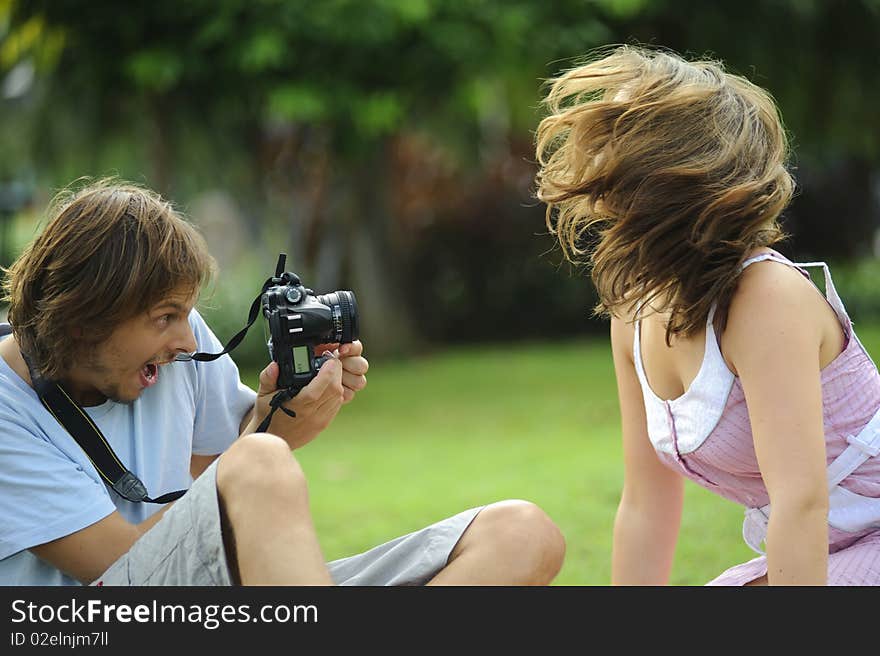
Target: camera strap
<point>70,414</point>
<point>282,395</point>
<point>253,313</point>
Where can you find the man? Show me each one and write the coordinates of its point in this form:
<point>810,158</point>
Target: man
<point>101,302</point>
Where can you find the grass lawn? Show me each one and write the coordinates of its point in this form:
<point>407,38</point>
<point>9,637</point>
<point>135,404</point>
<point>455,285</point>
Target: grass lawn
<point>434,435</point>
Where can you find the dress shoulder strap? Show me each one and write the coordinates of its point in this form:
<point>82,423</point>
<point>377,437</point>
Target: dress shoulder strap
<point>831,294</point>
<point>772,255</point>
<point>637,347</point>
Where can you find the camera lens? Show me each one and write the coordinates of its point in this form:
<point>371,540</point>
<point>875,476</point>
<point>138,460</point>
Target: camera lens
<point>343,307</point>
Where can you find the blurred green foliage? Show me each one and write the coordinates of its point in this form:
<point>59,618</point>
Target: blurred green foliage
<point>386,145</point>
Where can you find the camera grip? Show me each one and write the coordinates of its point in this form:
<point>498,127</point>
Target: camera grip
<point>295,377</point>
<point>321,359</point>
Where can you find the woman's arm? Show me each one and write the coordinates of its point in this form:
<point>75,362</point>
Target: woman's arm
<point>649,515</point>
<point>774,335</point>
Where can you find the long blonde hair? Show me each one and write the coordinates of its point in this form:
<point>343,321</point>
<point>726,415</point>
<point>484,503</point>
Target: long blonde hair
<point>668,173</point>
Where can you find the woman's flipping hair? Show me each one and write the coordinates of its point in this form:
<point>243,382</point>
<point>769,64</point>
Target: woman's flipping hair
<point>668,172</point>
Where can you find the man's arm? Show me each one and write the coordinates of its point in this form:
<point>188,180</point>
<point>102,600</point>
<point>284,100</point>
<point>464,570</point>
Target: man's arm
<point>198,464</point>
<point>87,553</point>
<point>248,416</point>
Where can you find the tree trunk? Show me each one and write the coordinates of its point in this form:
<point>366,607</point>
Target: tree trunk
<point>375,263</point>
<point>160,138</point>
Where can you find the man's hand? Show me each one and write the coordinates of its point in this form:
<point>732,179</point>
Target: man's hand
<point>354,366</point>
<point>318,402</point>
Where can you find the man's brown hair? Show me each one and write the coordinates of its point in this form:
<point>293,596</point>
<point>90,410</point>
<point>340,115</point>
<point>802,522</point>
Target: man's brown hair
<point>110,250</point>
<point>669,172</point>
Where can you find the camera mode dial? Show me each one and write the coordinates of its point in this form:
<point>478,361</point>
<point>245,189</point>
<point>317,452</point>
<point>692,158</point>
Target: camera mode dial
<point>294,294</point>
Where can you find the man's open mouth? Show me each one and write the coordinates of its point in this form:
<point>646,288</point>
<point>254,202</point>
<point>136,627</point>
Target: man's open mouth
<point>149,374</point>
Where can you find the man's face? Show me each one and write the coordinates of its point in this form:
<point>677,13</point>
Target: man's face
<point>130,360</point>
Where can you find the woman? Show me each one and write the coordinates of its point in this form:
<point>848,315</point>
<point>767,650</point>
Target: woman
<point>732,370</point>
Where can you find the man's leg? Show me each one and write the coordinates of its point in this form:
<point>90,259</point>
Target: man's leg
<point>268,531</point>
<point>508,543</point>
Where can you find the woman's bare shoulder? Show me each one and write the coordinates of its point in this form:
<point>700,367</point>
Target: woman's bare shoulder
<point>623,333</point>
<point>773,301</point>
<point>772,284</point>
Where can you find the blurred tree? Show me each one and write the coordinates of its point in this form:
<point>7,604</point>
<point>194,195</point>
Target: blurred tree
<point>314,93</point>
<point>370,136</point>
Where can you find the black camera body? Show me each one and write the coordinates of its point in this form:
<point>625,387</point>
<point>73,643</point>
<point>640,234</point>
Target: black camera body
<point>299,320</point>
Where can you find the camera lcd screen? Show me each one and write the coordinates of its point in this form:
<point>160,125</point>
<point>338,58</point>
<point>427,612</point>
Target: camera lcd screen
<point>301,359</point>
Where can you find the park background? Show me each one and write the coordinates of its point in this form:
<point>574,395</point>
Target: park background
<point>387,147</point>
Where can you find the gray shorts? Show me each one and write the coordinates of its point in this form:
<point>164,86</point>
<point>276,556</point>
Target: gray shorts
<point>185,548</point>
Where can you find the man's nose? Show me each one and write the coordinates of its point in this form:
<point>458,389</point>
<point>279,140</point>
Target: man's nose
<point>184,339</point>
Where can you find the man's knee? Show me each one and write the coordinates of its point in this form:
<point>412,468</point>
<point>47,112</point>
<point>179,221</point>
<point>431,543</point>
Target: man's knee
<point>258,481</point>
<point>260,467</point>
<point>524,536</point>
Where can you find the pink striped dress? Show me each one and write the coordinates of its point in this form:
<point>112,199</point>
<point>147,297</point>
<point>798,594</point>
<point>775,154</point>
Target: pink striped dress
<point>705,434</point>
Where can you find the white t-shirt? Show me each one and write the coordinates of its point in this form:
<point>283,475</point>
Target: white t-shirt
<point>48,486</point>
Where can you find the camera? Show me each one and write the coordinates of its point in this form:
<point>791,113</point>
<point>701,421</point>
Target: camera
<point>299,320</point>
